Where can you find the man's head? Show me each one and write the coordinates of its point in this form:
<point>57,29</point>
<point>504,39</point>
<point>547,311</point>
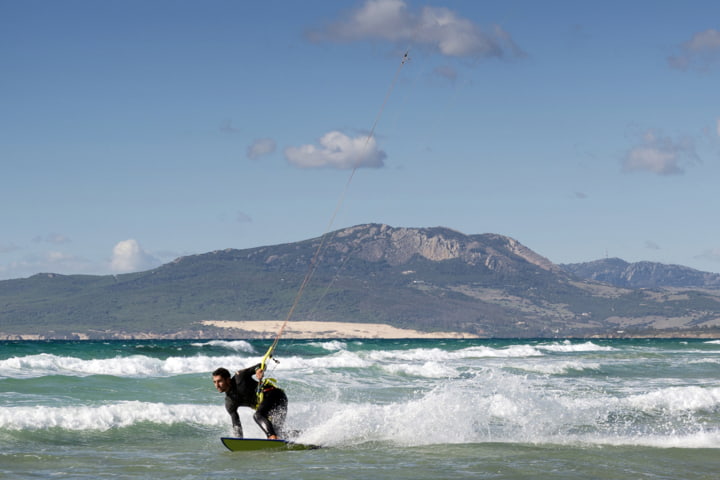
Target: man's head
<point>221,379</point>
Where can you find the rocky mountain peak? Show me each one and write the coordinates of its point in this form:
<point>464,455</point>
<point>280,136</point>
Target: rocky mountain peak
<point>379,242</point>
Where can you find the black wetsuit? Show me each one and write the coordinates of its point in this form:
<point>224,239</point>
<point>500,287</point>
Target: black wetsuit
<point>270,413</point>
<point>241,394</point>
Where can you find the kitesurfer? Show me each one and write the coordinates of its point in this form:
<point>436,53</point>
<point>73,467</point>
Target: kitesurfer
<point>263,395</point>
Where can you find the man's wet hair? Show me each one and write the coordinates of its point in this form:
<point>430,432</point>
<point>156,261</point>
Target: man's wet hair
<point>222,372</point>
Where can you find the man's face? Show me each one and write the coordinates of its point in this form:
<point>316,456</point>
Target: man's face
<point>221,383</point>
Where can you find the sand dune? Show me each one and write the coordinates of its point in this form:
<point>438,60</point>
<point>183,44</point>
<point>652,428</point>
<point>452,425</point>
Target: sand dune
<point>308,329</point>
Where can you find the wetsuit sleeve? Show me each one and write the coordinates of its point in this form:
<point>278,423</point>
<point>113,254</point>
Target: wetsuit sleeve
<point>231,406</point>
<point>245,386</point>
<point>247,373</point>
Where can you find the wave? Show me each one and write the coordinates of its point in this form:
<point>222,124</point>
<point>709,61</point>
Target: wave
<point>492,406</point>
<point>140,366</point>
<point>676,399</point>
<point>699,439</point>
<point>332,345</point>
<point>45,364</point>
<point>335,355</point>
<point>426,370</point>
<point>441,355</point>
<point>500,408</point>
<point>417,362</point>
<point>700,361</point>
<point>558,368</point>
<point>106,417</point>
<point>568,346</point>
<point>234,345</point>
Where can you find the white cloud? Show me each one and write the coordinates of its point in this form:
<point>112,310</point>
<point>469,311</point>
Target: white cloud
<point>260,147</point>
<point>701,52</point>
<point>704,41</point>
<point>128,256</point>
<point>660,154</point>
<point>437,28</point>
<point>337,150</point>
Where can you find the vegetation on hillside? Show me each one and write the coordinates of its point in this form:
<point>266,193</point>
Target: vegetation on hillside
<point>365,274</point>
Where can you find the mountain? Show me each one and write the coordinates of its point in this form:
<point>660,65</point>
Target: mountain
<point>429,279</point>
<point>642,274</point>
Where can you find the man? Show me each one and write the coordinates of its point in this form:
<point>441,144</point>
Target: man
<point>263,395</point>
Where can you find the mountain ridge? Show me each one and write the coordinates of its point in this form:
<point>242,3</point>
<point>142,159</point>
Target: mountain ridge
<point>427,279</point>
<point>620,273</point>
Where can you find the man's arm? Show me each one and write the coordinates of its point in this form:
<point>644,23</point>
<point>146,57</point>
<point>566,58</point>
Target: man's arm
<point>248,372</point>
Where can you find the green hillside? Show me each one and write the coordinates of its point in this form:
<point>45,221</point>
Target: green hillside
<point>425,279</point>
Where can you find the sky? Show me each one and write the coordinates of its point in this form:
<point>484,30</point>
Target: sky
<point>134,132</point>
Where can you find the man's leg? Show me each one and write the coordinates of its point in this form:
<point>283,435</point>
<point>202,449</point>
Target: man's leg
<point>271,413</point>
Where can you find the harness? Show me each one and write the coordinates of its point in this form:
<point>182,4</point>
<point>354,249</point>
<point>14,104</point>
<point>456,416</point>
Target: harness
<point>266,385</point>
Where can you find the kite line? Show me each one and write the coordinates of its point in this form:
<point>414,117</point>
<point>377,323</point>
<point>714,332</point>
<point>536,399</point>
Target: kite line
<point>314,261</point>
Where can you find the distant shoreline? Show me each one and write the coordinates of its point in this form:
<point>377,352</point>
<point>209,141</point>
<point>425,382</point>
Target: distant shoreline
<point>308,330</point>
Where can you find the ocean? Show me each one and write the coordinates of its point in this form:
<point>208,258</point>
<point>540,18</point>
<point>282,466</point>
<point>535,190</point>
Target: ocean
<point>381,409</point>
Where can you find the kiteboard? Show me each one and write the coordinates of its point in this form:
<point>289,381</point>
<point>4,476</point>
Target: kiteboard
<point>250,444</point>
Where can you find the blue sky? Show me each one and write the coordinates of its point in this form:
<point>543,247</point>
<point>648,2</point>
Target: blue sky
<point>135,132</point>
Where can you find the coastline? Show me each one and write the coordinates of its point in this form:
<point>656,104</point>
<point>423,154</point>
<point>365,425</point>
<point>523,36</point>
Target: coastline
<point>327,330</point>
<point>304,330</point>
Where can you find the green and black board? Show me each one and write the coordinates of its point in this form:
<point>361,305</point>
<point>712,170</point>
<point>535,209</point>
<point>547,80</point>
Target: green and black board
<point>250,444</point>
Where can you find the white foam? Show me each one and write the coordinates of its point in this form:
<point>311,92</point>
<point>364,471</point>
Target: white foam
<point>332,345</point>
<point>412,396</point>
<point>440,355</point>
<point>128,366</point>
<point>700,439</point>
<point>494,406</point>
<point>147,366</point>
<point>341,359</point>
<point>675,399</point>
<point>105,417</point>
<point>511,351</point>
<point>568,346</point>
<point>413,355</point>
<point>426,370</point>
<point>558,368</point>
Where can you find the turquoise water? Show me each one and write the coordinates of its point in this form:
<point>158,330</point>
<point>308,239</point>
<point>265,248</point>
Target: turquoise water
<point>419,409</point>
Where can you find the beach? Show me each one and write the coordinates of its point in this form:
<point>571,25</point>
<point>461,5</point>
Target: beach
<point>327,330</point>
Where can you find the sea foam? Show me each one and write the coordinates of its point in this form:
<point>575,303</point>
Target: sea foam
<point>127,366</point>
<point>568,346</point>
<point>675,399</point>
<point>235,345</point>
<point>105,417</point>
